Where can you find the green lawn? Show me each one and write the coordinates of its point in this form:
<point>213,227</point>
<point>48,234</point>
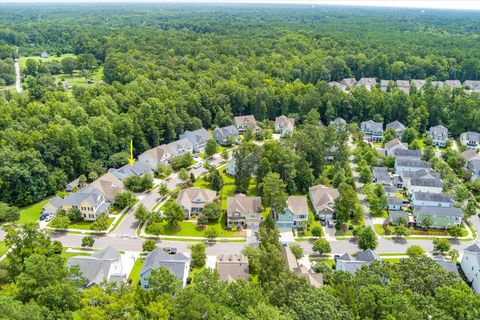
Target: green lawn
<point>340,233</point>
<point>416,232</point>
<point>379,229</point>
<point>135,273</point>
<point>86,225</point>
<point>32,212</point>
<point>3,248</point>
<point>392,260</point>
<point>67,255</point>
<point>312,223</point>
<point>189,229</point>
<point>23,60</point>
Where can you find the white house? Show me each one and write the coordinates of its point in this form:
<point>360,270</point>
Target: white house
<point>471,266</point>
<point>284,125</point>
<point>438,135</point>
<point>432,199</point>
<point>351,264</point>
<point>368,83</point>
<point>178,264</point>
<point>425,185</point>
<point>198,138</point>
<point>373,130</point>
<point>470,139</point>
<point>403,165</point>
<point>397,126</point>
<point>393,145</point>
<point>155,156</point>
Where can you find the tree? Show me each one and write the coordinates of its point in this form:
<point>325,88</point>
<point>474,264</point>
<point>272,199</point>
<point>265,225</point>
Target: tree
<point>253,255</point>
<point>88,241</point>
<point>141,213</point>
<point>92,176</point>
<point>427,222</point>
<point>61,221</point>
<point>163,190</point>
<point>192,177</point>
<point>198,255</point>
<point>68,65</point>
<point>211,233</point>
<point>216,181</point>
<point>415,251</point>
<point>366,238</point>
<point>273,190</point>
<point>213,211</point>
<point>125,199</point>
<point>297,250</point>
<point>409,135</point>
<point>401,230</point>
<point>183,174</point>
<point>441,245</point>
<point>246,161</point>
<point>8,213</point>
<point>74,215</point>
<point>211,148</point>
<point>455,231</point>
<point>101,223</point>
<point>365,173</point>
<point>389,135</point>
<point>173,213</point>
<point>225,154</point>
<point>454,254</point>
<point>428,153</point>
<point>161,281</point>
<point>345,203</point>
<point>317,231</point>
<point>149,245</point>
<point>470,209</point>
<point>248,135</point>
<point>202,219</point>
<point>321,246</point>
<point>164,170</point>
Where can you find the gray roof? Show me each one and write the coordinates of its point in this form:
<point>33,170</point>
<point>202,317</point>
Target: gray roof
<point>426,182</point>
<point>438,130</point>
<point>372,125</point>
<point>297,204</point>
<point>232,267</point>
<point>439,211</point>
<point>175,263</point>
<point>396,125</point>
<point>471,136</point>
<point>449,265</point>
<point>422,173</point>
<point>338,121</point>
<point>392,201</point>
<point>367,82</point>
<point>427,196</point>
<point>200,135</point>
<point>453,83</point>
<point>390,188</point>
<point>470,154</point>
<point>412,162</point>
<point>137,169</point>
<point>473,248</point>
<point>407,153</point>
<point>394,215</point>
<point>472,84</point>
<point>395,142</point>
<point>474,165</point>
<point>338,85</point>
<point>243,205</point>
<point>180,144</point>
<point>353,263</point>
<point>349,82</point>
<point>227,131</point>
<point>419,83</point>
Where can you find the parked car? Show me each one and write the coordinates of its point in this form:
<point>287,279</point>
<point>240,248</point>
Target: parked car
<point>323,222</point>
<point>170,250</point>
<point>43,216</point>
<point>197,165</point>
<point>49,218</point>
<point>195,155</point>
<point>330,223</point>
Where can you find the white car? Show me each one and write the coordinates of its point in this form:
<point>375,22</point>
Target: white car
<point>49,218</point>
<point>197,165</point>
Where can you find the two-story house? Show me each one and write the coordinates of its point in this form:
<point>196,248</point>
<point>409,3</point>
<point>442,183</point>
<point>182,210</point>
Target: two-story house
<point>422,173</point>
<point>368,83</point>
<point>178,264</point>
<point>432,199</point>
<point>404,164</point>
<point>284,125</point>
<point>155,156</point>
<point>180,147</point>
<point>469,155</point>
<point>381,175</point>
<point>474,167</point>
<point>351,264</point>
<point>198,138</point>
<point>242,123</point>
<point>425,185</point>
<point>323,200</point>
<point>471,266</point>
<point>406,153</point>
<point>226,135</point>
<point>470,139</point>
<point>438,135</point>
<point>294,214</point>
<point>372,130</point>
<point>393,145</point>
<point>193,200</point>
<point>349,83</point>
<point>452,84</point>
<point>243,211</point>
<point>338,122</point>
<point>442,218</point>
<point>397,126</point>
<point>472,85</point>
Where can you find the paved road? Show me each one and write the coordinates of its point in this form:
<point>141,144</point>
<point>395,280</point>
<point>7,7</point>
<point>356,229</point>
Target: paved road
<point>18,80</point>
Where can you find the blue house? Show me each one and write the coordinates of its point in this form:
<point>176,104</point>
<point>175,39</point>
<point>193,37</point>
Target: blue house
<point>198,138</point>
<point>294,214</point>
<point>178,264</point>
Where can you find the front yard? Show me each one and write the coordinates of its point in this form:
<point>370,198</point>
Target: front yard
<point>85,225</point>
<point>32,212</point>
<point>379,229</point>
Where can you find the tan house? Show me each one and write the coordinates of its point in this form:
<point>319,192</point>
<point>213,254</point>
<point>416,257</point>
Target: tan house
<point>193,200</point>
<point>155,156</point>
<point>232,267</point>
<point>108,184</point>
<point>284,125</point>
<point>323,198</point>
<point>242,123</point>
<point>291,263</point>
<point>244,211</point>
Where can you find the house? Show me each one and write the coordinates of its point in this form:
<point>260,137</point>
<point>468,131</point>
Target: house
<point>242,123</point>
<point>291,263</point>
<point>474,167</point>
<point>75,184</point>
<point>178,264</point>
<point>198,138</point>
<point>338,85</point>
<point>193,200</point>
<point>469,155</point>
<point>472,85</point>
<point>244,211</point>
<point>232,267</point>
<point>397,126</point>
<point>403,85</point>
<point>368,83</point>
<point>448,265</point>
<point>432,199</point>
<point>294,214</point>
<point>395,217</point>
<point>422,173</point>
<point>373,130</point>
<point>338,122</point>
<point>397,181</point>
<point>349,83</point>
<point>393,145</point>
<point>108,184</point>
<point>442,217</point>
<point>425,185</point>
<point>231,167</point>
<point>44,55</point>
<point>394,204</point>
<point>381,176</point>
<point>471,266</point>
<point>384,84</point>
<point>419,83</point>
<point>284,125</point>
<point>406,153</point>
<point>403,165</point>
<point>137,169</point>
<point>390,191</point>
<point>351,264</point>
<point>323,200</point>
<point>438,135</point>
<point>225,134</point>
<point>437,84</point>
<point>104,265</point>
<point>453,84</point>
<point>155,156</point>
<point>180,147</point>
<point>470,139</point>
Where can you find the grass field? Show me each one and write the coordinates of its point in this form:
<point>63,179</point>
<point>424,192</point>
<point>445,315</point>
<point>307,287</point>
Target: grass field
<point>86,225</point>
<point>77,80</point>
<point>32,212</point>
<point>23,60</point>
<point>135,273</point>
<point>189,229</point>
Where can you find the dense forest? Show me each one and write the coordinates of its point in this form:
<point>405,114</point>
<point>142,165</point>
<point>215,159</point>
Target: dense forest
<point>167,69</point>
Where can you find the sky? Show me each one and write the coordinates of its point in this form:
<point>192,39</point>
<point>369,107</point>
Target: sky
<point>437,4</point>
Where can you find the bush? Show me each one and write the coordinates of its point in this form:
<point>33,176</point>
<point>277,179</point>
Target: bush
<point>297,250</point>
<point>149,245</point>
<point>317,231</point>
<point>199,256</point>
<point>88,241</point>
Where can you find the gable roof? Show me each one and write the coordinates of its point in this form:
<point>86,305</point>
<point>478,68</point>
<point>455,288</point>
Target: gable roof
<point>402,83</point>
<point>390,189</point>
<point>248,120</point>
<point>175,263</point>
<point>323,197</point>
<point>438,130</point>
<point>232,267</point>
<point>157,153</point>
<point>137,169</point>
<point>242,204</point>
<point>227,131</point>
<point>340,86</point>
<point>372,125</point>
<point>109,185</point>
<point>448,265</point>
<point>439,211</point>
<point>436,197</point>
<point>338,121</point>
<point>367,82</point>
<point>353,263</point>
<point>186,196</point>
<point>392,201</point>
<point>419,83</point>
<point>284,122</point>
<point>200,136</point>
<point>297,204</point>
<point>349,82</point>
<point>412,162</point>
<point>400,152</point>
<point>180,144</point>
<point>396,125</point>
<point>422,173</point>
<point>426,182</point>
<point>394,215</point>
<point>453,83</point>
<point>470,154</point>
<point>475,248</point>
<point>471,136</point>
<point>395,142</point>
